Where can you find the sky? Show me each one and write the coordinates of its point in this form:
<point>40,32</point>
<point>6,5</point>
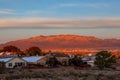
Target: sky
<point>99,18</point>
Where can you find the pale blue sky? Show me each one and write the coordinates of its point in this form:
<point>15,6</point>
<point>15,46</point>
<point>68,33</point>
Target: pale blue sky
<point>100,18</point>
<point>60,8</point>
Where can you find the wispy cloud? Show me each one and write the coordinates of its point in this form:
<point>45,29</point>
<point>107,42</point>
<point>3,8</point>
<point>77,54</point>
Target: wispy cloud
<point>38,12</point>
<point>6,11</point>
<point>60,23</point>
<point>93,5</point>
<point>68,5</point>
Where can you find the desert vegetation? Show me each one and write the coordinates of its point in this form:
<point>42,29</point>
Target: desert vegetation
<point>104,59</point>
<point>62,73</point>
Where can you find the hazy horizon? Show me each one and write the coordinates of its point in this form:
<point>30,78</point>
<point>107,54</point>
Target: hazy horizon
<point>12,34</point>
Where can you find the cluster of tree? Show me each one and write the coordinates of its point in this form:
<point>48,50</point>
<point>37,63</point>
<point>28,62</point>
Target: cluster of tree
<point>32,51</point>
<point>76,61</point>
<point>104,59</point>
<point>11,49</point>
<point>53,62</point>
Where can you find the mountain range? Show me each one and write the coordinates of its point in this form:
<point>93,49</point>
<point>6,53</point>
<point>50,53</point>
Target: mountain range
<point>66,41</point>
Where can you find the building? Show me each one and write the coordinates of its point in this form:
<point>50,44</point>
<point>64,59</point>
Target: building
<point>35,60</point>
<point>14,62</point>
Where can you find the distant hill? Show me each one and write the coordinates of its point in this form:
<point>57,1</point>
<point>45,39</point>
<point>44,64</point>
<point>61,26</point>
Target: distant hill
<point>65,41</point>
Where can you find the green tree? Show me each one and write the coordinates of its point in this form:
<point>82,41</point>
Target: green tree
<point>76,61</point>
<point>32,51</point>
<point>104,59</point>
<point>52,62</point>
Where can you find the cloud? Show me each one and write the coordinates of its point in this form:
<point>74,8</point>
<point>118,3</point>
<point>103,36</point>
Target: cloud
<point>68,5</point>
<point>38,12</point>
<point>6,11</point>
<point>59,22</point>
<point>93,5</point>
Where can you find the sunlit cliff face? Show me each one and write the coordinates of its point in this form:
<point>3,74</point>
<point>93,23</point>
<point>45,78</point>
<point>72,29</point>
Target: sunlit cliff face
<point>66,41</point>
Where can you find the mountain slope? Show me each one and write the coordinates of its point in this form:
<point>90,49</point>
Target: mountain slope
<point>65,41</point>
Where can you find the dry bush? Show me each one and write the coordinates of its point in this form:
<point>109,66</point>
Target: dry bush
<point>62,74</point>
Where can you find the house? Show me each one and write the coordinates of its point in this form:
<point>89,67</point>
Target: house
<point>89,59</point>
<point>14,62</point>
<point>35,60</point>
<point>85,59</point>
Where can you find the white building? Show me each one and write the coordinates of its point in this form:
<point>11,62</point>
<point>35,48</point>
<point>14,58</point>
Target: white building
<point>89,61</point>
<point>13,62</point>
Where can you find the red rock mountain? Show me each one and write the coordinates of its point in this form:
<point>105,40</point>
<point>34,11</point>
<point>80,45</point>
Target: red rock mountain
<point>65,41</point>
